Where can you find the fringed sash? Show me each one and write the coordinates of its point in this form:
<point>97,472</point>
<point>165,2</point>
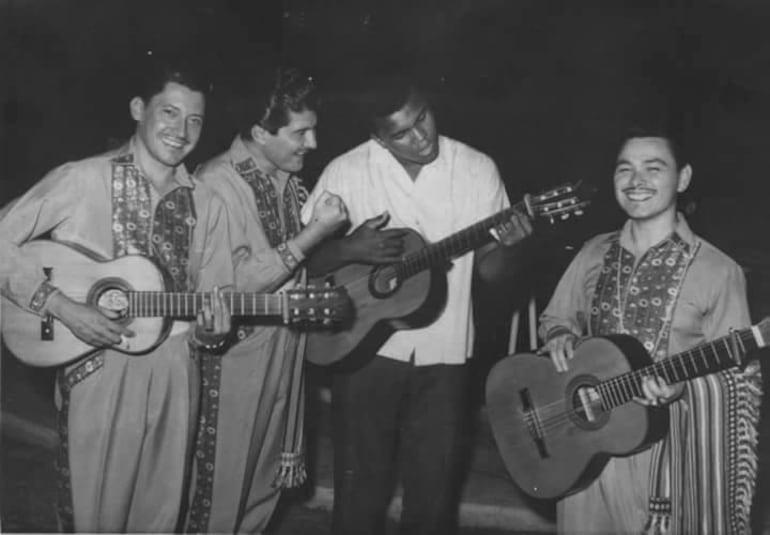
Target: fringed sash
<point>640,300</point>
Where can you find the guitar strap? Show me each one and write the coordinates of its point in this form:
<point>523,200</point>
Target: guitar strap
<point>639,298</point>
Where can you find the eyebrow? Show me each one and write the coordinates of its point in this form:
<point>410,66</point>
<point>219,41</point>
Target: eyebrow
<point>623,161</point>
<point>420,114</point>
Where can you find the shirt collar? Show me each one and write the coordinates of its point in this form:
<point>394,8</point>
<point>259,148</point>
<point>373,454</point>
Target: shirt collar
<point>125,155</point>
<point>681,234</point>
<point>244,162</point>
<point>381,154</point>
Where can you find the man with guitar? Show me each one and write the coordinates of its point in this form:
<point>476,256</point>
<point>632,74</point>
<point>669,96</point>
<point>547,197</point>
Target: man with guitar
<point>656,280</point>
<point>412,388</point>
<point>250,441</point>
<point>126,421</point>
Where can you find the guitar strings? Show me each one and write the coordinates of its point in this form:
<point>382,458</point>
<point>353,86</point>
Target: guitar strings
<point>552,415</point>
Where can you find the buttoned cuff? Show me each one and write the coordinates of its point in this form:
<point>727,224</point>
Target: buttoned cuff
<point>291,255</point>
<point>557,330</point>
<point>40,297</point>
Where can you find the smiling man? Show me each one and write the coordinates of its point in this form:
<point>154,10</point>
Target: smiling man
<point>658,281</point>
<point>413,388</point>
<point>253,393</point>
<point>124,420</point>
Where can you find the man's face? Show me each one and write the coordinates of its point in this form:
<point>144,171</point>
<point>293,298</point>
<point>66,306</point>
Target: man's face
<point>169,125</point>
<point>410,133</point>
<point>646,178</point>
<point>286,149</point>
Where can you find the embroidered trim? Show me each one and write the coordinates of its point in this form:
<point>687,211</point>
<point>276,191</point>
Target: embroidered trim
<point>206,444</point>
<point>270,207</point>
<point>67,380</point>
<point>41,295</point>
<point>165,235</point>
<point>288,258</point>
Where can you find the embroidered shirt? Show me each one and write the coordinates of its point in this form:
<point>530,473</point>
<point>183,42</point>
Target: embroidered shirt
<point>711,302</point>
<point>459,188</point>
<point>74,203</point>
<point>261,266</point>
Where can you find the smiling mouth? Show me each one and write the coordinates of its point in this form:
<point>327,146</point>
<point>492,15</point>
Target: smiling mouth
<point>174,143</point>
<point>427,150</point>
<point>637,195</point>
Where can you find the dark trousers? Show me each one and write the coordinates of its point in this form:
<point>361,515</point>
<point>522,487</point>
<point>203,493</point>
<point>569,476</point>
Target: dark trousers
<point>387,408</point>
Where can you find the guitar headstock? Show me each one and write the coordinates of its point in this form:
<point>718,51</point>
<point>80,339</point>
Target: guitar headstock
<point>561,202</point>
<point>313,305</point>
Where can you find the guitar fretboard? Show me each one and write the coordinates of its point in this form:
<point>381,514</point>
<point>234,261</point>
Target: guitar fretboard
<point>704,359</point>
<point>180,304</point>
<point>459,243</point>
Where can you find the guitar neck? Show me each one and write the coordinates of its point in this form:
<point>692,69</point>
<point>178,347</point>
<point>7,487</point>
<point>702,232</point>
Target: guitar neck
<point>704,359</point>
<point>180,304</point>
<point>459,243</point>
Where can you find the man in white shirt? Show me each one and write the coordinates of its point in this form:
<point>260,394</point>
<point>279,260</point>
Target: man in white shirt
<point>413,390</point>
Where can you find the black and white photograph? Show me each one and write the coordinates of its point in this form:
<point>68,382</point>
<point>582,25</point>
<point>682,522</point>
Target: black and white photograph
<point>369,267</point>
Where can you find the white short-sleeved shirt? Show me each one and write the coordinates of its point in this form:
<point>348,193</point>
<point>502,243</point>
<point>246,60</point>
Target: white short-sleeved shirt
<point>459,188</point>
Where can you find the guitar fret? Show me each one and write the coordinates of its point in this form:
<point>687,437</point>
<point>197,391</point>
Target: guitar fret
<point>618,394</point>
<point>627,388</point>
<point>729,350</point>
<point>679,368</point>
<point>666,376</point>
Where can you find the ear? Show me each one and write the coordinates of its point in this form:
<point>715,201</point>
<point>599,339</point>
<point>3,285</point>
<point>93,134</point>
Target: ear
<point>137,108</point>
<point>259,134</point>
<point>379,140</point>
<point>685,174</point>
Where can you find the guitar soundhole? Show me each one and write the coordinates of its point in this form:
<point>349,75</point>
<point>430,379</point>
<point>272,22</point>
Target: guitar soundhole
<point>384,281</point>
<point>586,406</point>
<point>115,300</point>
<point>111,294</point>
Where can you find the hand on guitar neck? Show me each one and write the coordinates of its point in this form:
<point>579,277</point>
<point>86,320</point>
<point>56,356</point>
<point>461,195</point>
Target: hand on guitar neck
<point>512,231</point>
<point>657,392</point>
<point>213,321</point>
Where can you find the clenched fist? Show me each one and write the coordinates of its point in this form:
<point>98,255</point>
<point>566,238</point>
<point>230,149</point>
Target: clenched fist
<point>329,213</point>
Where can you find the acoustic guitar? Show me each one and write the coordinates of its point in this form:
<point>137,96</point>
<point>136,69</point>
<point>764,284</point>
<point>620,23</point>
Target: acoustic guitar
<point>134,286</point>
<point>411,293</point>
<point>556,431</point>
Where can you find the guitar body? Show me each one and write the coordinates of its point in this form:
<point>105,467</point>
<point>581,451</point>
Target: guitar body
<point>83,277</point>
<point>382,304</point>
<point>549,443</point>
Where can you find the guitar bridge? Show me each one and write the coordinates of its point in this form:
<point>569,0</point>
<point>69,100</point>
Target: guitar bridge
<point>46,322</point>
<point>534,425</point>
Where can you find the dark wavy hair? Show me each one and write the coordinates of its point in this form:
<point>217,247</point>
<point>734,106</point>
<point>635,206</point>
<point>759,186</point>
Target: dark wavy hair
<point>158,70</point>
<point>669,134</point>
<point>270,100</point>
